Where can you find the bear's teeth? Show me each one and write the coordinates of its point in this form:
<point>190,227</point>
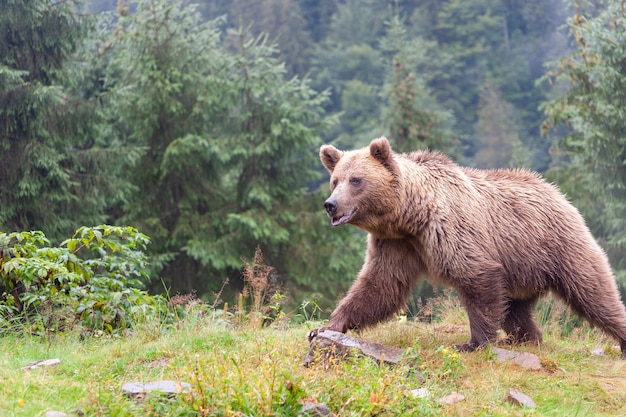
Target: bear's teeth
<point>343,219</point>
<point>336,221</point>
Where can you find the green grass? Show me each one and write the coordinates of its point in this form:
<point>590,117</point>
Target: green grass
<point>238,370</point>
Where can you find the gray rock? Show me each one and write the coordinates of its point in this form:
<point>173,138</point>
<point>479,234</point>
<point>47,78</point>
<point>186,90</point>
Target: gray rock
<point>452,398</point>
<point>598,352</point>
<point>518,398</point>
<point>423,393</point>
<point>523,359</point>
<point>310,408</point>
<point>329,344</point>
<point>40,363</point>
<point>52,413</point>
<point>140,389</point>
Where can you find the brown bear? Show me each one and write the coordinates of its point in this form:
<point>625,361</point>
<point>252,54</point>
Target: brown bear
<point>501,238</point>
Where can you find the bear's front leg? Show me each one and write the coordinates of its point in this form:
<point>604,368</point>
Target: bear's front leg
<point>382,288</point>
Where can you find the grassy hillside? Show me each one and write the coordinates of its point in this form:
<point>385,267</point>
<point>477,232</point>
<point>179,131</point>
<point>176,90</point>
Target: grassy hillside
<point>238,369</point>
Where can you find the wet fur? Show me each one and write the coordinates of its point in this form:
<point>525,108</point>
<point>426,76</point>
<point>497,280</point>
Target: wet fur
<point>501,238</point>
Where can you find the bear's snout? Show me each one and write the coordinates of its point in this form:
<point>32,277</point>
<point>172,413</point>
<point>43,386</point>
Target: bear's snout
<point>331,206</point>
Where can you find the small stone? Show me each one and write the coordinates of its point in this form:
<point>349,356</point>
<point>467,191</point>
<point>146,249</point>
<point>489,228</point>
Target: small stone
<point>452,398</point>
<point>52,413</point>
<point>40,363</point>
<point>330,344</point>
<point>518,398</point>
<point>523,359</point>
<point>309,408</point>
<point>598,352</point>
<point>420,393</point>
<point>138,389</point>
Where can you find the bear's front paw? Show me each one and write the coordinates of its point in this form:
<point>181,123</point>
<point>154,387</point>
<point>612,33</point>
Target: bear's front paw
<point>313,333</point>
<point>467,347</point>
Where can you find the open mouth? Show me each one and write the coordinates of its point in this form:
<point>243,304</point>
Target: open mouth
<point>336,221</point>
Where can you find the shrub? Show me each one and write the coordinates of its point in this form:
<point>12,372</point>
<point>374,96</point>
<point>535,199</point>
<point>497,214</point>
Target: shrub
<point>91,280</point>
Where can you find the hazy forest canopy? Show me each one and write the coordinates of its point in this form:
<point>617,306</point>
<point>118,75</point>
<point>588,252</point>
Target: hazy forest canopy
<point>199,124</point>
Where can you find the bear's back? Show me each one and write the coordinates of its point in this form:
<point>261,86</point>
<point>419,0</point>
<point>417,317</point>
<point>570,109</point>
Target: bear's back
<point>522,220</point>
<point>426,157</point>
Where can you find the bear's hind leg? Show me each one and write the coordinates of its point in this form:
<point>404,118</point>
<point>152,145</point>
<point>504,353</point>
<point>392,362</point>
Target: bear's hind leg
<point>519,323</point>
<point>483,298</point>
<point>485,319</point>
<point>599,302</point>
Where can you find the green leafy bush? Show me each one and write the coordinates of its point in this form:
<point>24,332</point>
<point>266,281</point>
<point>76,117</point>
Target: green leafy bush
<point>91,280</point>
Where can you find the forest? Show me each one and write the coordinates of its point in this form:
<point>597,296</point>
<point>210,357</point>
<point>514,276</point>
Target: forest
<point>199,123</point>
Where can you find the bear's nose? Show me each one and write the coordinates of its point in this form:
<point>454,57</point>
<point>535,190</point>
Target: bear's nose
<point>331,206</point>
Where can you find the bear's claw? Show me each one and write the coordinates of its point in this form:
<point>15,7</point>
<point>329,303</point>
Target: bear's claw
<point>313,333</point>
<point>466,347</point>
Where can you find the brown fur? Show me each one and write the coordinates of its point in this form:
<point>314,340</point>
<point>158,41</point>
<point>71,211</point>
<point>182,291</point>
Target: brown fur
<point>501,238</point>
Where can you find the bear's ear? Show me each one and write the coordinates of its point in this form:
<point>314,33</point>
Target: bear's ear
<point>329,155</point>
<point>380,149</point>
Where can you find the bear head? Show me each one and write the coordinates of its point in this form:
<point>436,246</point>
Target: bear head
<point>363,184</point>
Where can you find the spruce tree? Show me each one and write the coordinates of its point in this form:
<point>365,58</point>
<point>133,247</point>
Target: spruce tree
<point>230,151</point>
<point>414,117</point>
<point>593,109</point>
<point>498,131</point>
<point>48,172</point>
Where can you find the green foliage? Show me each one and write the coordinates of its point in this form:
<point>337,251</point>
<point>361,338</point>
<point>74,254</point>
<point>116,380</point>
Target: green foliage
<point>90,280</point>
<point>358,22</point>
<point>415,119</point>
<point>50,177</point>
<point>230,146</point>
<point>282,21</point>
<point>452,365</point>
<point>592,109</point>
<point>505,43</point>
<point>426,65</point>
<point>498,131</point>
<point>318,16</point>
<point>469,32</point>
<point>348,63</point>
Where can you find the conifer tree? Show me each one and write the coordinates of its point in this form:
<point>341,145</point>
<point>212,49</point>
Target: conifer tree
<point>593,109</point>
<point>47,172</point>
<point>414,118</point>
<point>230,145</point>
<point>497,129</point>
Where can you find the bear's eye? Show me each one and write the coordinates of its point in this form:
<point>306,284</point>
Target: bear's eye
<point>335,181</point>
<point>355,181</point>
